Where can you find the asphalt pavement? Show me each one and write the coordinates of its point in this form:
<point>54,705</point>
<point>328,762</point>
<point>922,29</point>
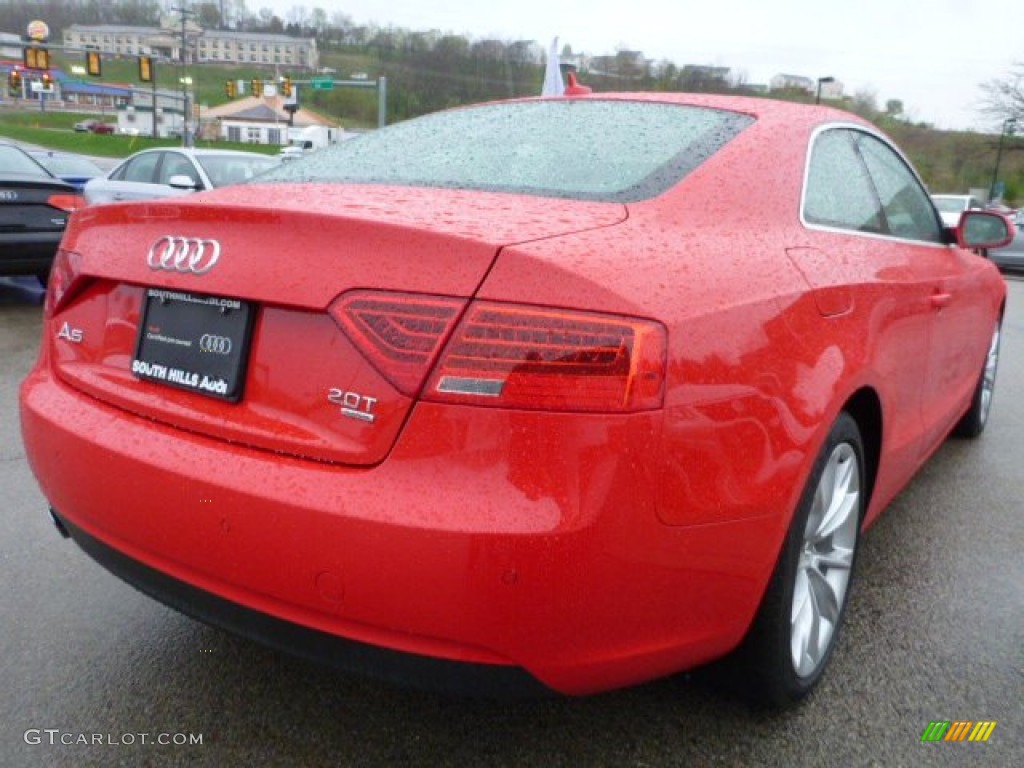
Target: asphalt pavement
<point>93,673</point>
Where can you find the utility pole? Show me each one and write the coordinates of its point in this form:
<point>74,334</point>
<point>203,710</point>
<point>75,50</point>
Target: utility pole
<point>186,135</point>
<point>1008,125</point>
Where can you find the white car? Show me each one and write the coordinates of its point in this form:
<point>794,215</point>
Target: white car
<point>166,172</point>
<point>951,206</point>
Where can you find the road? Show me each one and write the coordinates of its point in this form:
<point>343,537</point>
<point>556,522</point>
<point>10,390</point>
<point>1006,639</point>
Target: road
<point>935,632</point>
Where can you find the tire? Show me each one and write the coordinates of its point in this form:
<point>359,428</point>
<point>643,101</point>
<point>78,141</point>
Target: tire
<point>973,422</point>
<point>797,626</point>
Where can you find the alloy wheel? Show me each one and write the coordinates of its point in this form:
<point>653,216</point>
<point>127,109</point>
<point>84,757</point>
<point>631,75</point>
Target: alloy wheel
<point>825,560</point>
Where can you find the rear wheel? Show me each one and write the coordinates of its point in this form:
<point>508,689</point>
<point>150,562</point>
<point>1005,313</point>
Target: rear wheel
<point>973,422</point>
<point>796,629</point>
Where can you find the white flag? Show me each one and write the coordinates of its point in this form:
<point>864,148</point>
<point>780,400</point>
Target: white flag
<point>553,85</point>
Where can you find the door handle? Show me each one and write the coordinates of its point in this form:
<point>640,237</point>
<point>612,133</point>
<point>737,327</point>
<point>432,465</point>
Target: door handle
<point>940,300</point>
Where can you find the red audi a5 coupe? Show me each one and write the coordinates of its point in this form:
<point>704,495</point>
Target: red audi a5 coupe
<point>564,393</point>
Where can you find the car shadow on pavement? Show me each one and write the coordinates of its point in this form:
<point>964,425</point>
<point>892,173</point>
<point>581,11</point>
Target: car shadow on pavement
<point>21,290</point>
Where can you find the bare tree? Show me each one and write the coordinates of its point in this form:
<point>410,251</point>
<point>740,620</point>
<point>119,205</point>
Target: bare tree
<point>298,17</point>
<point>208,15</point>
<point>865,103</point>
<point>1003,97</point>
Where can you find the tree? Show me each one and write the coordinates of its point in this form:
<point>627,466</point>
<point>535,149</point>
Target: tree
<point>208,16</point>
<point>865,104</point>
<point>298,18</point>
<point>319,22</point>
<point>1003,97</point>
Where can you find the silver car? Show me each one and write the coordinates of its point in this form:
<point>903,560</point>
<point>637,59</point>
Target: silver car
<point>951,206</point>
<point>154,173</point>
<point>1012,256</point>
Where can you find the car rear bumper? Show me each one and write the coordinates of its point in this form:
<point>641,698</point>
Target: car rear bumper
<point>28,253</point>
<point>434,674</point>
<point>545,556</point>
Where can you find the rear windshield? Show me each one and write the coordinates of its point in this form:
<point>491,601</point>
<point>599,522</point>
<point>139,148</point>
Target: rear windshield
<point>615,151</point>
<point>13,160</point>
<point>70,165</point>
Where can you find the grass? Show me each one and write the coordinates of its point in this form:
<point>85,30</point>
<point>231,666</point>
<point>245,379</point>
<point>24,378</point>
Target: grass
<point>54,130</point>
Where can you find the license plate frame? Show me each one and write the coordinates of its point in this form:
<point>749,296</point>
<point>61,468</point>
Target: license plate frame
<point>196,342</point>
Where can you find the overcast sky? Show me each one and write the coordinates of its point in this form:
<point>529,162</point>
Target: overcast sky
<point>932,55</point>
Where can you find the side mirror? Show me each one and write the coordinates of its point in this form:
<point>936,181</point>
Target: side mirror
<point>984,229</point>
<point>181,181</point>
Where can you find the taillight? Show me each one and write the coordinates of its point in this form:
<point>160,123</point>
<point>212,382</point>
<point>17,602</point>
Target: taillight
<point>65,281</point>
<point>66,202</point>
<point>400,333</point>
<point>516,356</point>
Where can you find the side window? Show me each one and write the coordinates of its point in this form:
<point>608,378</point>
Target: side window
<point>142,168</point>
<point>839,192</point>
<point>176,165</point>
<point>909,212</point>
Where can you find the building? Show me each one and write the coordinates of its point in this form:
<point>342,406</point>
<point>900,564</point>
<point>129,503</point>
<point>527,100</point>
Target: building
<point>115,39</point>
<point>136,118</point>
<point>782,82</point>
<point>259,120</point>
<point>200,45</point>
<point>88,97</point>
<point>831,89</point>
<point>10,45</point>
<point>252,48</point>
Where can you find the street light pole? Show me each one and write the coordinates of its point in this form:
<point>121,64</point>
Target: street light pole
<point>186,139</point>
<point>1008,125</point>
<point>817,93</point>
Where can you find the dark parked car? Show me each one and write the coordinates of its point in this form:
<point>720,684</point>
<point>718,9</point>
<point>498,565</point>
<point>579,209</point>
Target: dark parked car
<point>66,166</point>
<point>34,210</point>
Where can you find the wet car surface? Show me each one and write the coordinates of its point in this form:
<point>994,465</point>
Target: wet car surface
<point>933,633</point>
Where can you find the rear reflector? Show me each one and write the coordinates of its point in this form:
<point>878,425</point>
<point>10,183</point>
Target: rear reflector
<point>546,359</point>
<point>400,333</point>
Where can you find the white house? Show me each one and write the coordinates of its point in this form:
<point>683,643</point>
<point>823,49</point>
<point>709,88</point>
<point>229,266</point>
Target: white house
<point>261,120</point>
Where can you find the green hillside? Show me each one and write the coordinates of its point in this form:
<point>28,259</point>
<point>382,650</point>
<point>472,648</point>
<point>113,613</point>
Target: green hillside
<point>453,72</point>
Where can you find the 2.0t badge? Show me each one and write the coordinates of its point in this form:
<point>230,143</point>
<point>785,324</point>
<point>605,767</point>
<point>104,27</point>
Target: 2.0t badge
<point>353,404</point>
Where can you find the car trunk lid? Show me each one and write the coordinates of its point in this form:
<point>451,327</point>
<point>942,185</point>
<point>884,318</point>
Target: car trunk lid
<point>179,303</point>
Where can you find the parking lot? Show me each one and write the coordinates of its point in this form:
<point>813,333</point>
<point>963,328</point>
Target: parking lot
<point>94,673</point>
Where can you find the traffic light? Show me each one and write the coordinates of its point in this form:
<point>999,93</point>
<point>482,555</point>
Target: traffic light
<point>146,69</point>
<point>35,57</point>
<point>257,88</point>
<point>286,87</point>
<point>14,81</point>
<point>47,81</point>
<point>230,88</point>
<point>93,63</point>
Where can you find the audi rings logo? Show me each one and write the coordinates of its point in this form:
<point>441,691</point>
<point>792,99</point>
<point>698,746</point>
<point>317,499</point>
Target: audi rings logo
<point>183,254</point>
<point>218,345</point>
